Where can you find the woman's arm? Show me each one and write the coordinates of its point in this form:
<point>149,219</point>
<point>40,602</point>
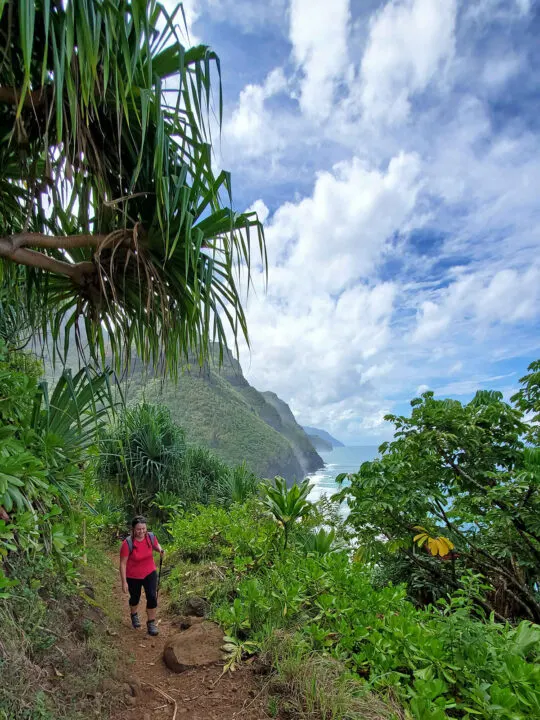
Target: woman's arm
<point>157,547</point>
<point>123,566</point>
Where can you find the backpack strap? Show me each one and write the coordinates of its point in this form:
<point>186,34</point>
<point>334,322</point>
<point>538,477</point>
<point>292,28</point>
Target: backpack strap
<point>149,535</point>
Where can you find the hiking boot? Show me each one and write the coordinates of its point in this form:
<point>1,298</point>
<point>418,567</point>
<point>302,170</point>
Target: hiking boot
<point>135,622</point>
<point>152,627</point>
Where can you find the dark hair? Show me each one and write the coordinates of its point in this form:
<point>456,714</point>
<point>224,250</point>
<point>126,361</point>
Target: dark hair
<point>139,520</point>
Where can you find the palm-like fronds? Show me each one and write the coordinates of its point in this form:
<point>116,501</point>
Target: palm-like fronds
<point>108,199</point>
<point>142,453</point>
<point>76,409</point>
<point>287,504</point>
<point>66,422</point>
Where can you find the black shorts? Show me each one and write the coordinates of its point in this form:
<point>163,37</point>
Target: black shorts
<point>150,590</point>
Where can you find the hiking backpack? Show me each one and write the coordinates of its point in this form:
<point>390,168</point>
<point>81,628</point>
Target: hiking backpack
<point>149,535</point>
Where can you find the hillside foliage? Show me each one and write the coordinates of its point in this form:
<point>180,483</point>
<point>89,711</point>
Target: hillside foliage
<point>445,660</point>
<point>115,233</point>
<point>221,411</point>
<point>465,473</point>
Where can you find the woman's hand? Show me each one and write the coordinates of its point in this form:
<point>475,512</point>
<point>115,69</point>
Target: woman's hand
<point>125,588</point>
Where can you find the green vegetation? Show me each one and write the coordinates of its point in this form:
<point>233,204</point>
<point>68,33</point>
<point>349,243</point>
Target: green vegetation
<point>424,605</point>
<point>47,439</point>
<point>287,505</point>
<point>324,624</point>
<point>145,463</point>
<point>116,239</point>
<point>54,652</point>
<point>219,410</point>
<point>139,252</point>
<point>46,443</point>
<point>462,472</point>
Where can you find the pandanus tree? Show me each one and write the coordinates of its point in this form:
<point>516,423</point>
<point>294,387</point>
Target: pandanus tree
<point>114,225</point>
<point>287,505</point>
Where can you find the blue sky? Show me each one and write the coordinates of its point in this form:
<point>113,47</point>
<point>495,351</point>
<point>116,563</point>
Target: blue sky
<point>391,147</point>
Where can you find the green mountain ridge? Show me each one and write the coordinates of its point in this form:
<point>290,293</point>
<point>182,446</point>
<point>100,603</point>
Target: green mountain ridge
<point>323,435</point>
<point>319,443</point>
<point>219,409</point>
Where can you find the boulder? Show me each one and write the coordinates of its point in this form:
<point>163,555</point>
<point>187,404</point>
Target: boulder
<point>196,606</point>
<point>186,621</point>
<point>198,646</point>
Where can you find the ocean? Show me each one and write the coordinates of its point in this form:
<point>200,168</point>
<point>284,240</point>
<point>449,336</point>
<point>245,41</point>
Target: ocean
<point>339,460</point>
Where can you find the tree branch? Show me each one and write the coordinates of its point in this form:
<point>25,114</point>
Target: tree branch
<point>59,242</point>
<point>15,248</point>
<point>483,603</point>
<point>517,521</point>
<point>75,271</point>
<point>494,565</point>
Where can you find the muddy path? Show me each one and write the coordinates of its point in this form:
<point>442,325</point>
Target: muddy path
<point>147,690</point>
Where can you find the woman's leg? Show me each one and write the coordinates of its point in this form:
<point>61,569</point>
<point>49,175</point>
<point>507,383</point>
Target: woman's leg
<point>150,589</point>
<point>134,587</point>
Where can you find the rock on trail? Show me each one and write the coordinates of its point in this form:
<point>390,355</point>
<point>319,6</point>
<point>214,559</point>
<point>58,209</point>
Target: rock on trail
<point>198,646</point>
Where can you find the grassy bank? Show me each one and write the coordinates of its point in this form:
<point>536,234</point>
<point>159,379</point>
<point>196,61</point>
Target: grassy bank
<point>54,649</point>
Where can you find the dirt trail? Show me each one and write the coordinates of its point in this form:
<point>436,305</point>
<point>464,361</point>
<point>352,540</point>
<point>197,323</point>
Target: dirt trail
<point>143,681</point>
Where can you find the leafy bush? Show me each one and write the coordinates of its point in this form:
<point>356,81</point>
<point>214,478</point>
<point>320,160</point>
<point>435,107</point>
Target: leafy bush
<point>287,505</point>
<point>237,485</point>
<point>45,443</point>
<point>242,531</point>
<point>144,456</point>
<point>440,661</point>
<point>142,453</point>
<point>461,473</point>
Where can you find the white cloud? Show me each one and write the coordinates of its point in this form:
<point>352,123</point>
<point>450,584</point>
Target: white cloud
<point>318,33</point>
<point>499,10</point>
<point>408,44</point>
<point>359,315</point>
<point>348,223</point>
<point>377,371</point>
<point>249,16</point>
<point>318,334</point>
<point>260,208</point>
<point>508,297</point>
<point>251,126</point>
<point>498,71</point>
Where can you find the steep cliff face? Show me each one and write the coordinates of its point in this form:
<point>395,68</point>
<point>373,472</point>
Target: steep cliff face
<point>320,444</point>
<point>323,435</point>
<point>218,408</point>
<point>306,453</point>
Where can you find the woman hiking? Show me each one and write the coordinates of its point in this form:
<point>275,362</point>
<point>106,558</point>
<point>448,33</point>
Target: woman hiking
<point>138,570</point>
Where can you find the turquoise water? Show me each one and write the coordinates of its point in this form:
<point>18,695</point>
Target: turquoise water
<point>340,460</point>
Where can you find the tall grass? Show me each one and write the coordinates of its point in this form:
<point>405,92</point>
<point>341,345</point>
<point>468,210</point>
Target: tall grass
<point>317,686</point>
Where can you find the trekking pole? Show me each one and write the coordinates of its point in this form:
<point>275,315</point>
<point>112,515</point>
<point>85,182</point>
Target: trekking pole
<point>159,575</point>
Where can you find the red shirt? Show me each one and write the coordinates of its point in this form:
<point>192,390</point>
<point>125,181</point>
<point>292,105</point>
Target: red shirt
<point>141,561</point>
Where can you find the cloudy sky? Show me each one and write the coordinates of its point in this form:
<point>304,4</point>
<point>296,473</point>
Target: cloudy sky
<point>392,149</point>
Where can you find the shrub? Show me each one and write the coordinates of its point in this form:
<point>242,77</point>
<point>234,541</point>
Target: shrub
<point>442,661</point>
<point>144,456</point>
<point>142,453</point>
